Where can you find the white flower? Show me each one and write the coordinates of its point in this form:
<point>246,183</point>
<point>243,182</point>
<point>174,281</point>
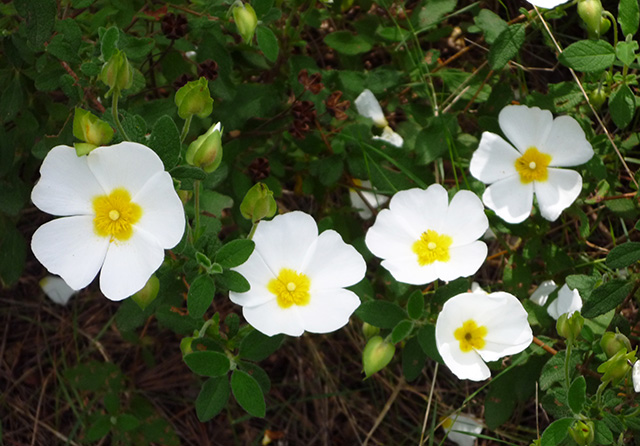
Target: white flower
<point>298,277</point>
<point>422,237</point>
<point>473,328</point>
<point>514,174</point>
<point>547,4</point>
<point>371,198</point>
<point>57,289</point>
<point>369,107</point>
<point>119,213</point>
<point>567,301</point>
<point>541,294</point>
<point>459,427</point>
<point>635,376</point>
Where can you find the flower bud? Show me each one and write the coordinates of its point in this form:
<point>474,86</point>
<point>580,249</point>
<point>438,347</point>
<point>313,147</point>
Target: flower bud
<point>617,367</point>
<point>92,130</point>
<point>194,99</point>
<point>246,20</point>
<point>590,11</point>
<point>583,433</point>
<point>569,326</point>
<point>376,355</point>
<point>185,345</point>
<point>117,73</point>
<point>369,330</point>
<point>598,97</point>
<point>612,343</point>
<point>258,203</point>
<point>206,151</point>
<point>148,293</point>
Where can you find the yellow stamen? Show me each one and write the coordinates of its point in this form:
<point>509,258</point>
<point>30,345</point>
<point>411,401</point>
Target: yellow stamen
<point>290,288</point>
<point>532,166</point>
<point>115,215</point>
<point>471,336</point>
<point>432,246</point>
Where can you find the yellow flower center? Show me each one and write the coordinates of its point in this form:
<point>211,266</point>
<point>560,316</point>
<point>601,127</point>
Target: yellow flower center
<point>432,246</point>
<point>470,336</point>
<point>532,166</point>
<point>115,214</point>
<point>290,288</point>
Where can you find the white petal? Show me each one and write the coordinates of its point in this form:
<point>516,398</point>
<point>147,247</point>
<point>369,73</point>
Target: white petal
<point>635,376</point>
<point>557,193</point>
<point>129,264</point>
<point>328,310</point>
<point>374,199</point>
<point>418,210</point>
<point>333,264</point>
<point>67,186</point>
<point>162,211</point>
<point>459,431</point>
<point>510,199</point>
<point>258,274</point>
<point>567,143</point>
<point>541,294</point>
<point>271,320</point>
<point>408,270</point>
<point>69,248</point>
<point>390,136</point>
<point>57,289</point>
<point>476,288</point>
<point>128,164</point>
<point>465,221</point>
<point>369,107</point>
<point>465,365</point>
<point>525,126</point>
<point>284,241</point>
<point>464,261</point>
<point>494,159</point>
<point>389,238</point>
<point>568,301</point>
<point>548,4</point>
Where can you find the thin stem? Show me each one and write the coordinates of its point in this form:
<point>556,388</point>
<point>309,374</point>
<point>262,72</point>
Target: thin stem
<point>599,392</point>
<point>116,117</point>
<point>185,128</point>
<point>567,360</point>
<point>196,208</point>
<point>253,230</point>
<point>203,330</point>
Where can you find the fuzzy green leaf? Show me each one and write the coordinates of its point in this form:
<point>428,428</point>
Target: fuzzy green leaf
<point>506,46</point>
<point>380,313</point>
<point>622,106</point>
<point>40,16</point>
<point>212,398</point>
<point>577,394</point>
<point>415,305</point>
<point>606,298</point>
<point>207,363</point>
<point>248,393</point>
<point>201,293</point>
<point>257,346</point>
<point>346,43</point>
<point>624,255</point>
<point>233,281</point>
<point>268,43</point>
<point>165,141</point>
<point>235,253</point>
<point>588,55</point>
<point>556,432</point>
<point>401,331</point>
<point>628,16</point>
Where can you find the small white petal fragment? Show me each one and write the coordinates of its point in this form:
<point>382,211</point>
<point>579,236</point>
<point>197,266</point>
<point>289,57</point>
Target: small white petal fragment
<point>390,136</point>
<point>459,427</point>
<point>57,289</point>
<point>635,376</point>
<point>474,327</point>
<point>541,294</point>
<point>421,237</point>
<point>547,4</point>
<point>372,199</point>
<point>369,107</point>
<point>297,278</point>
<point>567,301</point>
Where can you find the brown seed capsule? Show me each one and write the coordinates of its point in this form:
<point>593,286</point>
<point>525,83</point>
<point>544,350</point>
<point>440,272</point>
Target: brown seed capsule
<point>174,26</point>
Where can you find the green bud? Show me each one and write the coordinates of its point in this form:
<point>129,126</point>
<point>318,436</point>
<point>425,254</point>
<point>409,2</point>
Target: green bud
<point>590,11</point>
<point>117,73</point>
<point>185,346</point>
<point>369,330</point>
<point>569,326</point>
<point>194,99</point>
<point>92,130</point>
<point>376,355</point>
<point>617,367</point>
<point>206,151</point>
<point>583,433</point>
<point>612,343</point>
<point>258,203</point>
<point>246,20</point>
<point>598,97</point>
<point>148,294</point>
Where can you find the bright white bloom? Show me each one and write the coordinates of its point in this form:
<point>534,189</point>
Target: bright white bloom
<point>298,277</point>
<point>567,301</point>
<point>459,427</point>
<point>369,107</point>
<point>635,376</point>
<point>514,174</point>
<point>547,4</point>
<point>476,288</point>
<point>119,213</point>
<point>373,199</point>
<point>473,328</point>
<point>57,289</point>
<point>422,237</point>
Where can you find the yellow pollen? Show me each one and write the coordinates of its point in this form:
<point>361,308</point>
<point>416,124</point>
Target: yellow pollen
<point>290,288</point>
<point>471,336</point>
<point>115,215</point>
<point>431,247</point>
<point>532,166</point>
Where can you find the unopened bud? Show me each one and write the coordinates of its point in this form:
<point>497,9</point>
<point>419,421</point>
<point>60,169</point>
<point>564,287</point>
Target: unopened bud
<point>117,73</point>
<point>376,355</point>
<point>598,97</point>
<point>569,326</point>
<point>148,294</point>
<point>612,343</point>
<point>583,433</point>
<point>92,130</point>
<point>206,151</point>
<point>246,20</point>
<point>590,11</point>
<point>194,98</point>
<point>617,367</point>
<point>369,330</point>
<point>258,203</point>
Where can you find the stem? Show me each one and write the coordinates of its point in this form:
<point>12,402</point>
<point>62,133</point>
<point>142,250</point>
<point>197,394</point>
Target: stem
<point>185,128</point>
<point>203,330</point>
<point>116,117</point>
<point>613,21</point>
<point>600,391</point>
<point>253,230</point>
<point>196,206</point>
<point>567,358</point>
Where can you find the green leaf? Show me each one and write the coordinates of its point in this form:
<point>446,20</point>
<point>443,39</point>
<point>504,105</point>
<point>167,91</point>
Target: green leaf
<point>491,25</point>
<point>268,43</point>
<point>427,339</point>
<point>257,346</point>
<point>415,305</point>
<point>588,55</point>
<point>11,100</point>
<point>506,46</point>
<point>629,16</point>
<point>188,172</point>
<point>235,253</point>
<point>212,398</point>
<point>346,43</point>
<point>622,106</point>
<point>381,313</point>
<point>606,297</point>
<point>394,34</point>
<point>401,331</point>
<point>201,293</point>
<point>577,394</point>
<point>433,140</point>
<point>261,7</point>
<point>127,422</point>
<point>165,141</point>
<point>40,16</point>
<point>626,51</point>
<point>499,403</point>
<point>233,281</point>
<point>556,432</point>
<point>413,359</point>
<point>99,429</point>
<point>583,283</point>
<point>109,43</point>
<point>433,12</point>
<point>14,252</point>
<point>603,433</point>
<point>207,363</point>
<point>624,255</point>
<point>248,393</point>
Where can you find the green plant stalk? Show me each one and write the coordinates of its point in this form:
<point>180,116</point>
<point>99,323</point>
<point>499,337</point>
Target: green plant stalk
<point>204,328</point>
<point>599,393</point>
<point>196,209</point>
<point>567,359</point>
<point>116,117</point>
<point>253,230</point>
<point>615,39</point>
<point>185,128</point>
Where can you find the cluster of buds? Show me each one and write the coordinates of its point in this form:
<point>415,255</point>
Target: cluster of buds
<point>312,83</point>
<point>258,203</point>
<point>92,130</point>
<point>304,117</point>
<point>621,360</point>
<point>194,99</point>
<point>174,26</point>
<point>336,107</point>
